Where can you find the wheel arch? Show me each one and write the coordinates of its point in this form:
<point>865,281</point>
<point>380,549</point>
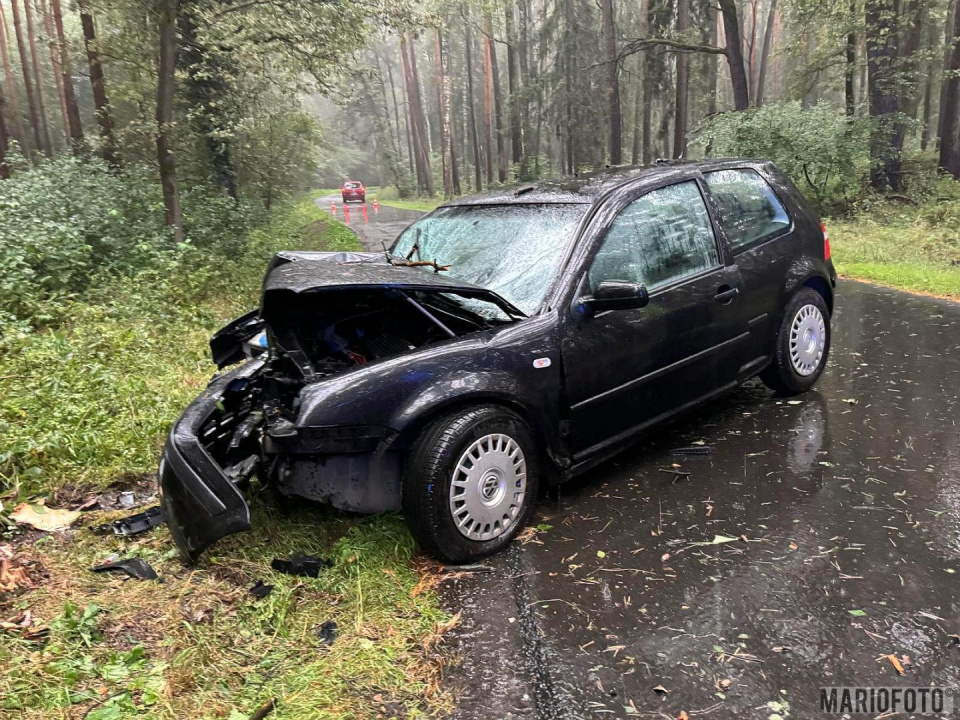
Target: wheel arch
<point>821,286</point>
<point>408,435</point>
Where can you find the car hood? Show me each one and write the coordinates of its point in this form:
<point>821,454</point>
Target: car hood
<point>302,272</point>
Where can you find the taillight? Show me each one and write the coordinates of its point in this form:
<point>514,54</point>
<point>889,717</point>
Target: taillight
<point>826,242</point>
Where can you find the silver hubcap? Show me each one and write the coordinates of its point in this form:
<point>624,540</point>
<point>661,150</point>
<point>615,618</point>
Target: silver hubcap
<point>487,487</point>
<point>808,336</point>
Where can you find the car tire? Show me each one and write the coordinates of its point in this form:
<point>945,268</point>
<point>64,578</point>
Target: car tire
<point>470,483</point>
<point>802,345</point>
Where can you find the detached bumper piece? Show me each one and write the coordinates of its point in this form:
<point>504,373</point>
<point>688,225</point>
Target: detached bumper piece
<point>133,524</point>
<point>200,502</point>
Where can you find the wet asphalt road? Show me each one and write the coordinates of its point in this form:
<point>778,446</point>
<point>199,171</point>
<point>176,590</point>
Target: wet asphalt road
<point>844,509</point>
<point>381,227</point>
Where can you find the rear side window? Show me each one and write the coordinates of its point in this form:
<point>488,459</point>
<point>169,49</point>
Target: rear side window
<point>749,209</point>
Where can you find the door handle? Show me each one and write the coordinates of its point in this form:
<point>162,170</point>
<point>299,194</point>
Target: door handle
<point>725,294</point>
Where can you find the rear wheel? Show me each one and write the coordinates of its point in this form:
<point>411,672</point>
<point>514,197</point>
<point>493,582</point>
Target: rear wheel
<point>470,483</point>
<point>802,344</point>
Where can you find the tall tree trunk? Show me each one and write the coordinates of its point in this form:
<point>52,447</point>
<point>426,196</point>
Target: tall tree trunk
<point>423,125</point>
<point>443,104</point>
<point>765,52</point>
<point>752,48</point>
<point>54,52</point>
<point>396,109</point>
<point>15,112</point>
<point>392,137</point>
<point>419,122</point>
<point>108,148</point>
<point>488,103</point>
<point>530,80</point>
<point>4,135</point>
<point>635,152</point>
<point>734,53</point>
<point>613,81</point>
<point>497,101</point>
<point>513,86</point>
<point>448,121</point>
<point>406,122</point>
<point>713,18</point>
<point>37,77</point>
<point>414,137</point>
<point>930,67</point>
<point>949,37</point>
<point>541,64</point>
<point>683,85</point>
<point>884,101</point>
<point>950,139</point>
<point>646,14</point>
<point>850,103</point>
<point>166,80</point>
<point>471,112</point>
<point>925,109</point>
<point>73,110</point>
<point>27,82</point>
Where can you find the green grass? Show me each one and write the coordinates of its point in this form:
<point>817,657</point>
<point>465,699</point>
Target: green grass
<point>912,247</point>
<point>388,196</point>
<point>86,404</point>
<point>197,644</point>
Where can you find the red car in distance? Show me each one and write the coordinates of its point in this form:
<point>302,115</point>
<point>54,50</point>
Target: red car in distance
<point>353,190</point>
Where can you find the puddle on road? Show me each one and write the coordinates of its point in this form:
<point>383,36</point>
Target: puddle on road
<point>845,506</point>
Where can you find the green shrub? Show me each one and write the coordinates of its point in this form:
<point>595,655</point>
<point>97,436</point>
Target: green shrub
<point>825,153</point>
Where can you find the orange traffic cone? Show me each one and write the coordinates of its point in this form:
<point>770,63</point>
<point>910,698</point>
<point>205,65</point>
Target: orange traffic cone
<point>365,216</point>
<point>333,208</point>
<point>376,206</point>
<point>346,214</point>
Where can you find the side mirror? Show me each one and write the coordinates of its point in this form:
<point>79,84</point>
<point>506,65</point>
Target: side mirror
<point>614,295</point>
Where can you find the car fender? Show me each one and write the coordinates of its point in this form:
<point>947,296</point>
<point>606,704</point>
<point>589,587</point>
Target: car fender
<point>518,366</point>
<point>805,270</point>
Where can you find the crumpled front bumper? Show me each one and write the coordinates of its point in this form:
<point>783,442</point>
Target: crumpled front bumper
<point>202,505</point>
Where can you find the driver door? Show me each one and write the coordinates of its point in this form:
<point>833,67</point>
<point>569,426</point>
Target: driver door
<point>625,369</point>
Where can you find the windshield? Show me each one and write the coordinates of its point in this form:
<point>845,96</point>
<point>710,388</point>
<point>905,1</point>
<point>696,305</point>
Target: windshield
<point>513,250</point>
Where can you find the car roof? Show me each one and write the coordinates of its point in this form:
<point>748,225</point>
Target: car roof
<point>588,189</point>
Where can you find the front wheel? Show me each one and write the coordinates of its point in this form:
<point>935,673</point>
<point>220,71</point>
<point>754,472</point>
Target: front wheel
<point>802,344</point>
<point>470,483</point>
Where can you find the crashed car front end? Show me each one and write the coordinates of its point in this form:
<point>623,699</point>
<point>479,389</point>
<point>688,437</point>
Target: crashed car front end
<point>326,317</point>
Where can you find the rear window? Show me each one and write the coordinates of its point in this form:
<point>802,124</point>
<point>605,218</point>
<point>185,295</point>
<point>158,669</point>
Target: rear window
<point>351,185</point>
<point>749,209</point>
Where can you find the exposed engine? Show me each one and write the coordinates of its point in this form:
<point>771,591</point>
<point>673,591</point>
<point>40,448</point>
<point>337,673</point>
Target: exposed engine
<point>311,337</point>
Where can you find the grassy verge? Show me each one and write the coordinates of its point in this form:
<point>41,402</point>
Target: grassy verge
<point>389,196</point>
<point>912,247</point>
<point>84,406</point>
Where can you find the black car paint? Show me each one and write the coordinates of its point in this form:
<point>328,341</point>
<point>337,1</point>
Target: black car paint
<point>597,381</point>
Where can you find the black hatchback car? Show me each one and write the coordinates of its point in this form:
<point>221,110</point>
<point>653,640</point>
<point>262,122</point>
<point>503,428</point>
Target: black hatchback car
<point>505,341</point>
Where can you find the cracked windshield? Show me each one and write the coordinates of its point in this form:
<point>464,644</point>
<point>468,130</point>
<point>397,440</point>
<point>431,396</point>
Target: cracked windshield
<point>513,250</point>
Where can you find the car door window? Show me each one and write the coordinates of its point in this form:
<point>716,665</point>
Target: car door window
<point>659,238</point>
<point>749,209</point>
